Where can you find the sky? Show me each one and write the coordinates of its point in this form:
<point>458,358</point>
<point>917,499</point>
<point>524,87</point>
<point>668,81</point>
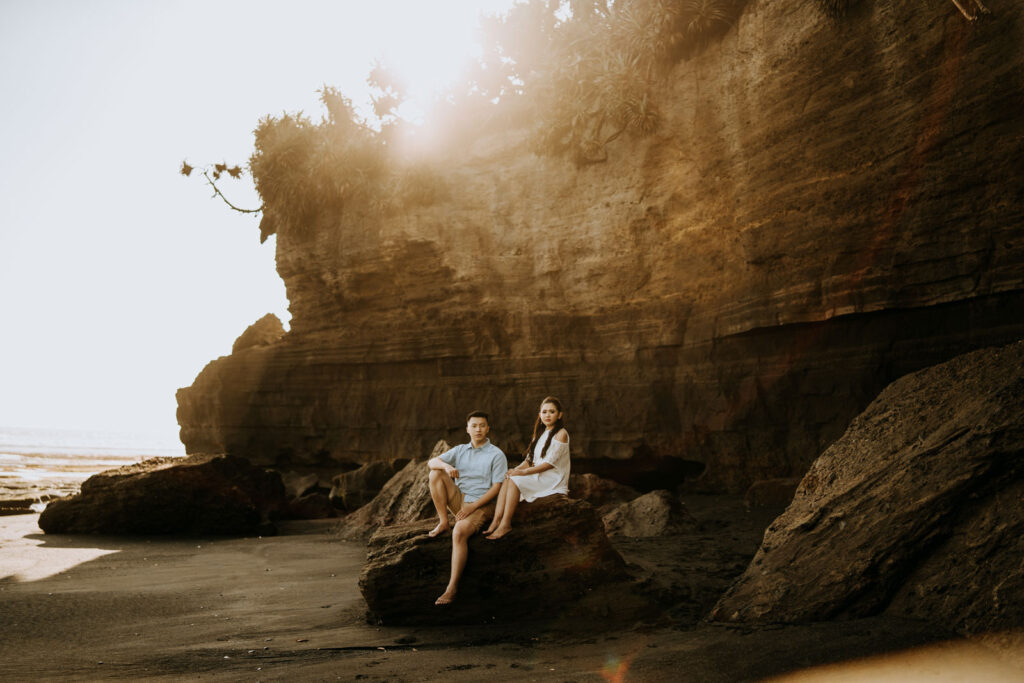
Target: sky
<point>119,278</point>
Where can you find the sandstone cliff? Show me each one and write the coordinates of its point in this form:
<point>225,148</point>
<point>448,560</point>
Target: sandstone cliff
<point>827,206</point>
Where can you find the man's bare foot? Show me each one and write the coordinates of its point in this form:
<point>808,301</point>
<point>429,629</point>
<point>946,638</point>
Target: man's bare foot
<point>446,598</point>
<point>498,533</point>
<point>438,530</point>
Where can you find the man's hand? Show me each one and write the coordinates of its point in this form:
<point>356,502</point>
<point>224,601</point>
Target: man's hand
<point>466,511</point>
<point>452,472</point>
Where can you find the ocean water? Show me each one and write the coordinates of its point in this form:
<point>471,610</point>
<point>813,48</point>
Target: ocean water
<point>37,463</point>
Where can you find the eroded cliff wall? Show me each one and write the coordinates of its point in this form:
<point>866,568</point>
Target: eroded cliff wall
<point>826,206</point>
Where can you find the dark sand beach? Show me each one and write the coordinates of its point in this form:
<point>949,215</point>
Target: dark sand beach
<point>287,608</point>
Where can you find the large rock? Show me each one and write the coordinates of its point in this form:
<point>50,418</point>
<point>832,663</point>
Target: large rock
<point>658,513</point>
<point>825,207</point>
<point>351,490</point>
<point>299,484</point>
<point>916,509</point>
<point>555,555</point>
<point>771,493</point>
<point>314,505</point>
<point>404,498</point>
<point>201,494</point>
<point>600,492</point>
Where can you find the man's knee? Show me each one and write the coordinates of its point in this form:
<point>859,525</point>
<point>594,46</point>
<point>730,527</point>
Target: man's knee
<point>463,530</point>
<point>436,482</point>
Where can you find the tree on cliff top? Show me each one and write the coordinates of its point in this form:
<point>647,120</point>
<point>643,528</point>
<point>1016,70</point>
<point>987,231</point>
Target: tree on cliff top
<point>580,73</point>
<point>590,68</point>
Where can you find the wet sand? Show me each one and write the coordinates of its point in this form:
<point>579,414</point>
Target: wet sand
<point>288,608</point>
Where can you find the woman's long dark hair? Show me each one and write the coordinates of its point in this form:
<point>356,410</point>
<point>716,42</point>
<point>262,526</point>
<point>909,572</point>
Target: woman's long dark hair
<point>538,429</point>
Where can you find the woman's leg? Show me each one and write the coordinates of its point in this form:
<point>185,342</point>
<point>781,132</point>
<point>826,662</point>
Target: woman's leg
<point>511,501</point>
<point>499,507</point>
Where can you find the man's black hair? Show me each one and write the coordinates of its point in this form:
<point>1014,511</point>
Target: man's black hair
<point>478,413</point>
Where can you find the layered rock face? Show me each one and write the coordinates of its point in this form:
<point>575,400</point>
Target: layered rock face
<point>916,510</point>
<point>827,205</point>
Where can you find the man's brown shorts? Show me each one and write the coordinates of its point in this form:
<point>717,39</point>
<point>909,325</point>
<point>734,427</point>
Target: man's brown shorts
<point>479,517</point>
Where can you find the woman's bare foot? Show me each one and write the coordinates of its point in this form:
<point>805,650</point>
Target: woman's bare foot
<point>498,533</point>
<point>491,530</point>
<point>446,598</point>
<point>438,530</point>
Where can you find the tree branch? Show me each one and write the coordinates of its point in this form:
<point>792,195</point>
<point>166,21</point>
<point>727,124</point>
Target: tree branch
<point>218,193</point>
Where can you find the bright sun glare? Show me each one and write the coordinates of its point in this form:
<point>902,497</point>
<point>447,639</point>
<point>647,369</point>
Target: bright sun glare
<point>202,74</point>
<point>431,47</point>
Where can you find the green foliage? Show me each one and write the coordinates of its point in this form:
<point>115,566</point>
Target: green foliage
<point>303,169</point>
<point>583,72</point>
<point>591,69</point>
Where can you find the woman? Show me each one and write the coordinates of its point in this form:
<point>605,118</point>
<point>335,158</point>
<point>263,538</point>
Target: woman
<point>543,472</point>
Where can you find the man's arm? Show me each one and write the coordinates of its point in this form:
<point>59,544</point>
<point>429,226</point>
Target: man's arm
<point>439,464</point>
<point>470,508</point>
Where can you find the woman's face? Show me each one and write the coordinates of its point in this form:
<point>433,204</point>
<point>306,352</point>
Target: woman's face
<point>549,414</point>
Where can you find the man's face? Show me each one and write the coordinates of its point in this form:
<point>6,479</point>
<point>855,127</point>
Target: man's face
<point>477,429</point>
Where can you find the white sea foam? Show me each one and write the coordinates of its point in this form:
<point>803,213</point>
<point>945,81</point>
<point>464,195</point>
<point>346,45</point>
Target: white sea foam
<point>34,462</point>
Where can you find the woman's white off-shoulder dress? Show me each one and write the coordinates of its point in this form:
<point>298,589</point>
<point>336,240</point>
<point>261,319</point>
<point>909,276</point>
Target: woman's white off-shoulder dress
<point>548,482</point>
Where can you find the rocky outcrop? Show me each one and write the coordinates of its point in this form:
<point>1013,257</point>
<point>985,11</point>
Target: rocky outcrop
<point>916,510</point>
<point>403,499</point>
<point>308,498</point>
<point>658,513</point>
<point>351,490</point>
<point>201,494</point>
<point>298,484</point>
<point>771,493</point>
<point>600,492</point>
<point>264,331</point>
<point>826,206</point>
<point>555,556</point>
<point>314,505</point>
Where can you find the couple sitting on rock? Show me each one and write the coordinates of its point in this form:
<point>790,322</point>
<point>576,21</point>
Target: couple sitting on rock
<point>474,482</point>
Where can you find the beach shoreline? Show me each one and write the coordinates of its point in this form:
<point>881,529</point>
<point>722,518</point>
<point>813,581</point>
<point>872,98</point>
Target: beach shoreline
<point>288,607</point>
<point>38,465</point>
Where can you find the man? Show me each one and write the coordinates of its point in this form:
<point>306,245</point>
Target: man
<point>465,480</point>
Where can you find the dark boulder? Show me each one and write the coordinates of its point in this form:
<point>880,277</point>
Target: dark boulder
<point>771,493</point>
<point>299,484</point>
<point>643,471</point>
<point>915,510</point>
<point>200,494</point>
<point>658,513</point>
<point>315,505</point>
<point>556,554</point>
<point>352,490</point>
<point>600,492</point>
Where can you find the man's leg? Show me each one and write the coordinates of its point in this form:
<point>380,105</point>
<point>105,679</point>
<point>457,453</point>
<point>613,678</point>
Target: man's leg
<point>442,489</point>
<point>460,551</point>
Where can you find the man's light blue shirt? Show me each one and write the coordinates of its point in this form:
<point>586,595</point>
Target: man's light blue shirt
<point>479,468</point>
